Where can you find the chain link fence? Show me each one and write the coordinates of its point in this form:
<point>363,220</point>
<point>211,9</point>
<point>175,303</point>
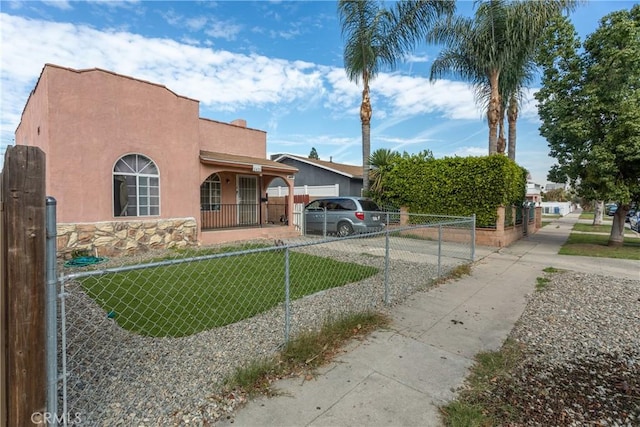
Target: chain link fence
<point>146,339</point>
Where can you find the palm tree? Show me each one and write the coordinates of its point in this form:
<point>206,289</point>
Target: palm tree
<point>521,70</point>
<point>513,80</point>
<point>379,161</point>
<point>377,37</point>
<point>494,51</point>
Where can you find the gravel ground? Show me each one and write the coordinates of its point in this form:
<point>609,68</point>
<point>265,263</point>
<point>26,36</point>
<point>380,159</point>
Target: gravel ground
<point>580,337</point>
<point>581,343</point>
<point>118,378</point>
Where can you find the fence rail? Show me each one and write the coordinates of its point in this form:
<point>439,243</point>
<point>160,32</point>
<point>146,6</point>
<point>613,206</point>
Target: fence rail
<point>156,335</point>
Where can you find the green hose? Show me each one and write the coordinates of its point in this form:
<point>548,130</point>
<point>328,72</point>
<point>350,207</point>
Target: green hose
<point>84,261</point>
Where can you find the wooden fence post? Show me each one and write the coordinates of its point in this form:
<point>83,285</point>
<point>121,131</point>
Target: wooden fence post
<point>24,284</point>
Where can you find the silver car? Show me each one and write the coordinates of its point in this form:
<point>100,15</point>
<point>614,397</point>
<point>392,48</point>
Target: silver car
<point>343,216</point>
<point>634,221</point>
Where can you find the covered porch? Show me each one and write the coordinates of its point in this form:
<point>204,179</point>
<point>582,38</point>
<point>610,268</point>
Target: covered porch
<point>234,204</point>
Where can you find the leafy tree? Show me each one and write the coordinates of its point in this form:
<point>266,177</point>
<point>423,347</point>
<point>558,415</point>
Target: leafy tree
<point>555,195</point>
<point>590,110</point>
<point>377,37</point>
<point>313,154</point>
<point>494,51</point>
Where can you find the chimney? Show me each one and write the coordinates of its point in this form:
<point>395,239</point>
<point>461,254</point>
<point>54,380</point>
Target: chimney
<point>330,159</point>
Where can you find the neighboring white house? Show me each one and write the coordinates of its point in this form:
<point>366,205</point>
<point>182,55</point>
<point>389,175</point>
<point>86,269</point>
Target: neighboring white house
<point>312,190</point>
<point>557,208</point>
<point>534,192</point>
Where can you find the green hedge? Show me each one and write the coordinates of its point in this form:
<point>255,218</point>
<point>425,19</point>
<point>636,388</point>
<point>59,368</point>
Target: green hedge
<point>458,186</point>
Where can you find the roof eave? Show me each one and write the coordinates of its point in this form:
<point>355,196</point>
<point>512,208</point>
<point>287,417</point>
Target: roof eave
<point>247,164</point>
<point>301,159</point>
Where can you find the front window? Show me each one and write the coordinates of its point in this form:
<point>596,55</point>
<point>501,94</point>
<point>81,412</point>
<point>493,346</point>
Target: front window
<point>210,193</point>
<point>136,187</point>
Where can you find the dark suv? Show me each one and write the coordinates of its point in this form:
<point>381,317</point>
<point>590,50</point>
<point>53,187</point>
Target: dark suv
<point>343,216</point>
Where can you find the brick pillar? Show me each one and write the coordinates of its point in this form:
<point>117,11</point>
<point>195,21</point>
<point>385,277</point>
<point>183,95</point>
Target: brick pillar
<point>538,217</point>
<point>404,216</point>
<point>500,220</point>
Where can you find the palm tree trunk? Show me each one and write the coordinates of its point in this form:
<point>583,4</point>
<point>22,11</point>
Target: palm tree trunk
<point>501,139</point>
<point>366,150</point>
<point>493,112</point>
<point>365,118</point>
<point>512,115</point>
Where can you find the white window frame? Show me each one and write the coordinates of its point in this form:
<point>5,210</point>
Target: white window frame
<point>213,187</point>
<point>139,172</point>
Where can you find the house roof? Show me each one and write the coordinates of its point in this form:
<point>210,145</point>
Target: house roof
<point>225,159</point>
<point>350,171</point>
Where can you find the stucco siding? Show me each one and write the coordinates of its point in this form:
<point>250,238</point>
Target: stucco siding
<point>33,129</point>
<point>96,118</point>
<point>87,120</point>
<point>232,139</point>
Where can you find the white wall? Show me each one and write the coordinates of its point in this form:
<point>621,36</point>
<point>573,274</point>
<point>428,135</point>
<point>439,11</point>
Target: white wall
<point>554,208</point>
<point>311,190</point>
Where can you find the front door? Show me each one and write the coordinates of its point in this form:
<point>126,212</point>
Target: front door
<point>248,200</point>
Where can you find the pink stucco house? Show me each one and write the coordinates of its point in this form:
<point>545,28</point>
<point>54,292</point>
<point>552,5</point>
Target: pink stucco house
<point>133,166</point>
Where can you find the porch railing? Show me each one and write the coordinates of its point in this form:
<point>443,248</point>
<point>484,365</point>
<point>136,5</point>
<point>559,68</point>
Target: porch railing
<point>219,216</point>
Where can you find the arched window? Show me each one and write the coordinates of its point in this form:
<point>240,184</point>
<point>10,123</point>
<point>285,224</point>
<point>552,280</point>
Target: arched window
<point>136,187</point>
<point>210,193</point>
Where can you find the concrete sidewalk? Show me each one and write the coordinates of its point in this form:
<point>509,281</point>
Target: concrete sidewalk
<point>399,376</point>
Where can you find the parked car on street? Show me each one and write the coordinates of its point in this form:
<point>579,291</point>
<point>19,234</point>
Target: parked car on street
<point>343,216</point>
<point>608,207</point>
<point>634,222</point>
<point>631,213</point>
<point>612,210</point>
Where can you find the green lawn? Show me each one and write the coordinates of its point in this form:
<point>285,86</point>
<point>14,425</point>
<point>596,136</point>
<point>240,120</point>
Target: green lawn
<point>187,298</point>
<point>590,215</point>
<point>604,228</point>
<point>595,245</point>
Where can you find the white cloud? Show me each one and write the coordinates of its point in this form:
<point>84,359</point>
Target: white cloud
<point>405,96</point>
<point>225,81</point>
<point>345,93</point>
<point>417,95</point>
<point>286,35</point>
<point>222,29</point>
<point>412,58</point>
<point>216,28</point>
<point>220,80</point>
<point>59,4</point>
<point>528,108</point>
<point>115,3</point>
<point>196,24</point>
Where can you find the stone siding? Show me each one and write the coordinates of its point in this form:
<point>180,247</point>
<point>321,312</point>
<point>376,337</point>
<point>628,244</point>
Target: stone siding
<point>125,237</point>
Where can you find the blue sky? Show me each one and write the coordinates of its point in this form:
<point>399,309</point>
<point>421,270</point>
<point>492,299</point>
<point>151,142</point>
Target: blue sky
<point>276,64</point>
